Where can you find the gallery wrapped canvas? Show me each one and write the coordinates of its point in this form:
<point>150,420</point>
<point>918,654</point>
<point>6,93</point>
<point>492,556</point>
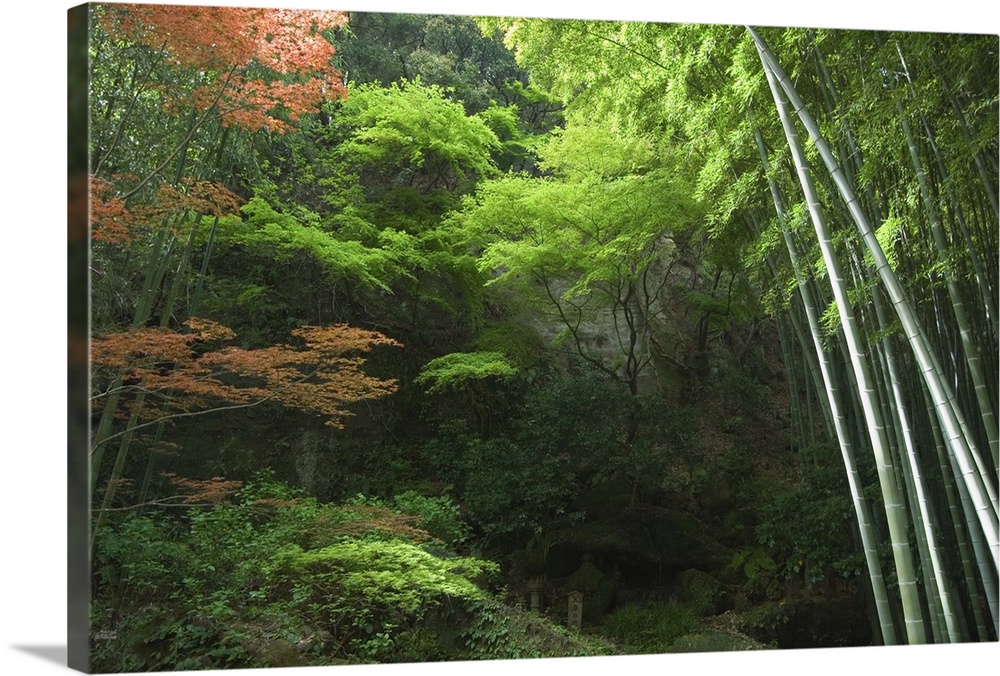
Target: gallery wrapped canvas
<point>429,338</point>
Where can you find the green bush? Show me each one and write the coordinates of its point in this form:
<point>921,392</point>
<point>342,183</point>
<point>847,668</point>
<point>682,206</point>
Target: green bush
<point>274,578</point>
<point>395,575</point>
<point>745,396</point>
<point>649,630</point>
<point>439,516</point>
<point>514,488</point>
<point>499,632</point>
<point>454,371</point>
<point>807,526</point>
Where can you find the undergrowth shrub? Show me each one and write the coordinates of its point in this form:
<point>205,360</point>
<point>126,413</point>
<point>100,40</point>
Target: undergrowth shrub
<point>274,578</point>
<point>439,516</point>
<point>373,595</point>
<point>500,632</point>
<point>648,629</point>
<point>808,525</point>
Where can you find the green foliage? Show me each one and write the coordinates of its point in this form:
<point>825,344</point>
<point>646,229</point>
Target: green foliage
<point>244,583</point>
<point>889,236</point>
<point>759,571</point>
<point>515,144</point>
<point>764,620</point>
<point>512,488</point>
<point>416,126</point>
<point>499,632</point>
<point>448,51</point>
<point>651,629</point>
<point>743,395</point>
<point>568,433</point>
<point>281,236</point>
<point>581,151</point>
<point>584,244</point>
<point>455,370</point>
<point>393,575</point>
<point>523,481</point>
<point>610,197</point>
<point>439,516</point>
<point>830,320</point>
<point>808,526</point>
<point>518,342</point>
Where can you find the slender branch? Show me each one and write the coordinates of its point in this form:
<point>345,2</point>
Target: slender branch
<point>185,140</point>
<point>191,414</point>
<point>128,112</point>
<point>162,502</point>
<point>627,49</point>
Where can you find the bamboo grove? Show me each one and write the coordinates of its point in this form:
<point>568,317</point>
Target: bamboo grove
<point>856,173</point>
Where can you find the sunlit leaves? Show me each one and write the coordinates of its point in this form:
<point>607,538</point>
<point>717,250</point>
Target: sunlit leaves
<point>888,235</point>
<point>282,236</point>
<point>596,221</point>
<point>580,151</point>
<point>453,371</point>
<point>418,127</point>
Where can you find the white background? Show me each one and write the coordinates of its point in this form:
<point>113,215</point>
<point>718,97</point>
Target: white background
<point>33,310</point>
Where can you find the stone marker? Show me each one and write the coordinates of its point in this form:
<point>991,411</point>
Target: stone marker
<point>535,586</point>
<point>575,616</point>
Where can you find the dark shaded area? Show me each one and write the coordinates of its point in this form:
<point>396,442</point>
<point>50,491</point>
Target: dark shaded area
<point>810,623</point>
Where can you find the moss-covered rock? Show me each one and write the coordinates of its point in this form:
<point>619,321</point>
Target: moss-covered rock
<point>701,592</point>
<point>598,591</point>
<point>647,546</point>
<point>499,631</point>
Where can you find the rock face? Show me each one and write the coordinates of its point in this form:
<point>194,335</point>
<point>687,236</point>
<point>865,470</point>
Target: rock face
<point>650,545</point>
<point>665,340</point>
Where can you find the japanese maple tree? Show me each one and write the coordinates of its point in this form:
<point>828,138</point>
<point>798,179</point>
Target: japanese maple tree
<point>193,371</point>
<point>189,373</point>
<point>115,222</point>
<point>248,61</point>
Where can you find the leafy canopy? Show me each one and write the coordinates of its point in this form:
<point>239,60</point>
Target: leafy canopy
<point>418,127</point>
<point>247,62</point>
<point>595,221</point>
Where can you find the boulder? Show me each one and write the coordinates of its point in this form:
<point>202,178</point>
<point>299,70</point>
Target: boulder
<point>598,591</point>
<point>701,593</point>
<point>646,547</point>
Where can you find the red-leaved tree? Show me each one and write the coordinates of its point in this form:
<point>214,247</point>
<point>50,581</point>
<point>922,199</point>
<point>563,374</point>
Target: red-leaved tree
<point>156,375</point>
<point>250,61</point>
<point>192,372</point>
